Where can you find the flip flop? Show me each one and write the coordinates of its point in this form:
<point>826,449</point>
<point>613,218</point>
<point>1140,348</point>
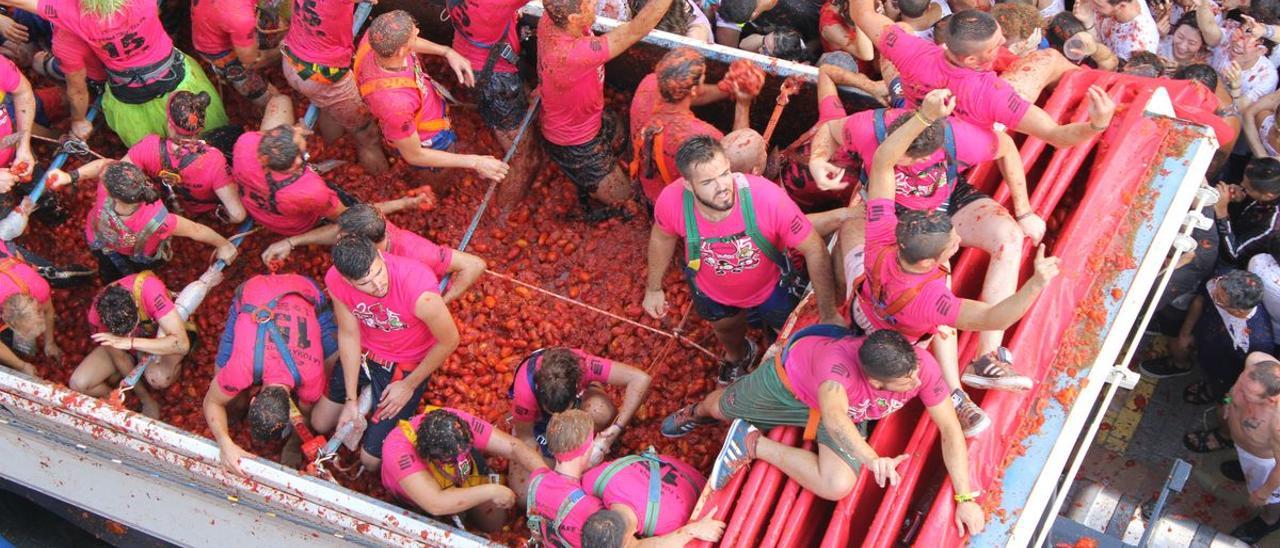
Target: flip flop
<point>1200,441</point>
<point>1197,393</point>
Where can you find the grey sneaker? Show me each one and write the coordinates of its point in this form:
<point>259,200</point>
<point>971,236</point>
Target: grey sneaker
<point>732,371</point>
<point>972,418</point>
<point>683,421</point>
<point>995,370</point>
<point>739,449</point>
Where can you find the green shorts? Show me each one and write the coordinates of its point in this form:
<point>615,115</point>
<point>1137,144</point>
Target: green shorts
<point>762,399</point>
<point>133,122</point>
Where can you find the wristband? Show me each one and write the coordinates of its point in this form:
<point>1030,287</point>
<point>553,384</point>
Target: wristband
<point>965,497</point>
<point>74,175</point>
<point>923,120</point>
<point>1098,129</point>
<point>1024,215</point>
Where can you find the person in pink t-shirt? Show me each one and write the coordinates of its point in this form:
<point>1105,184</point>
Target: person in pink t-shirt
<point>832,383</point>
<point>143,67</point>
<point>193,172</point>
<point>280,191</point>
<point>437,461</point>
<point>412,113</point>
<point>903,286</point>
<point>393,332</point>
<point>130,318</point>
<point>316,62</point>
<point>633,484</point>
<point>964,67</point>
<point>662,119</point>
<point>739,232</point>
<point>560,504</point>
<point>554,379</point>
<point>571,63</point>
<point>369,221</point>
<point>280,338</point>
<point>128,227</point>
<point>225,35</point>
<point>26,308</point>
<point>13,83</point>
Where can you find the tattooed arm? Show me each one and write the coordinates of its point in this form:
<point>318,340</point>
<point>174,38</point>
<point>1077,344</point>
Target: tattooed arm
<point>833,404</point>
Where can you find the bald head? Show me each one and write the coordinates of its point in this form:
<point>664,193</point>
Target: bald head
<point>746,150</point>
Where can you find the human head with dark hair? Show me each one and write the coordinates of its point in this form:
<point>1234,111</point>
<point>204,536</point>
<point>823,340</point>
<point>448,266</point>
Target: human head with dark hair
<point>1021,24</point>
<point>842,7</point>
<point>785,43</point>
<point>706,172</point>
<point>1122,11</point>
<point>364,220</point>
<point>942,30</point>
<point>743,11</point>
<point>282,149</point>
<point>1260,383</point>
<point>558,379</point>
<point>973,39</point>
<point>604,529</point>
<point>1199,72</point>
<point>116,310</point>
<point>926,239</point>
<point>675,21</point>
<point>1144,63</point>
<point>1266,12</point>
<point>443,438</point>
<point>929,141</point>
<point>575,16</point>
<point>358,260</point>
<point>389,33</point>
<point>569,435</point>
<point>1061,28</point>
<point>912,9</point>
<point>126,183</point>
<point>889,361</point>
<point>1262,179</point>
<point>1187,43</point>
<point>680,73</point>
<point>1238,292</point>
<point>1246,49</point>
<point>186,113</point>
<point>269,413</point>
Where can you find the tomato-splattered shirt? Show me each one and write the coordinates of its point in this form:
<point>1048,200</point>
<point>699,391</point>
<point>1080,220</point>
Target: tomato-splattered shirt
<point>320,32</point>
<point>485,22</point>
<point>1125,39</point>
<point>571,69</point>
<point>200,178</point>
<point>294,207</point>
<point>406,243</point>
<point>120,233</point>
<point>130,38</point>
<point>155,301</point>
<point>677,124</point>
<point>553,490</point>
<point>218,26</point>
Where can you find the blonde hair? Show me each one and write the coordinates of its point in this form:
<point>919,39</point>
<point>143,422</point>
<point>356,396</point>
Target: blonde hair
<point>568,430</point>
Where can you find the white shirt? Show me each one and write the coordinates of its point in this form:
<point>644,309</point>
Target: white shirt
<point>1054,8</point>
<point>1265,266</point>
<point>927,34</point>
<point>1140,34</point>
<point>1256,81</point>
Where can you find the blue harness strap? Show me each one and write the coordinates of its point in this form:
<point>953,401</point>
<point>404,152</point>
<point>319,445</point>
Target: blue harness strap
<point>828,330</point>
<point>550,532</point>
<point>266,319</point>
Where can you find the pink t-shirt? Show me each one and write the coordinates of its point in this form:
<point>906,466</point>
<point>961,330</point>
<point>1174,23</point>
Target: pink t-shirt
<point>155,301</point>
<point>933,306</point>
<point>405,243</point>
<point>134,225</point>
<point>400,459</point>
<point>485,22</point>
<point>399,109</point>
<point>217,26</point>
<point>296,318</point>
<point>525,404</point>
<point>815,360</point>
<point>298,206</point>
<point>75,55</point>
<point>734,271</point>
<point>553,490</point>
<point>389,328</point>
<point>131,38</point>
<point>981,96</point>
<point>320,32</point>
<point>571,69</point>
<point>678,124</point>
<point>10,79</point>
<point>201,178</point>
<point>921,186</point>
<point>20,277</point>
<point>681,486</point>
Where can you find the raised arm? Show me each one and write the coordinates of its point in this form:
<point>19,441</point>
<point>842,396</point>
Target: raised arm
<point>1036,122</point>
<point>1253,116</point>
<point>823,145</point>
<point>627,34</point>
<point>938,104</point>
<point>869,21</point>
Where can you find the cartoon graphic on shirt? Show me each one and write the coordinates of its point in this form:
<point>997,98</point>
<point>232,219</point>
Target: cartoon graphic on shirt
<point>922,183</point>
<point>863,411</point>
<point>377,316</point>
<point>731,254</point>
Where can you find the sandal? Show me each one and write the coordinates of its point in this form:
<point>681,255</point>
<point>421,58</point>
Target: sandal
<point>1206,441</point>
<point>1197,393</point>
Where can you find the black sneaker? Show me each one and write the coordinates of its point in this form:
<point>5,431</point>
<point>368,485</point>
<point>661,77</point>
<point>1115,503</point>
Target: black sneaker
<point>732,371</point>
<point>683,421</point>
<point>1161,368</point>
<point>1254,530</point>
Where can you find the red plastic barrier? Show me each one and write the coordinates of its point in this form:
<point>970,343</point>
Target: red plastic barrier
<point>761,489</point>
<point>722,501</point>
<point>781,512</point>
<point>1097,219</point>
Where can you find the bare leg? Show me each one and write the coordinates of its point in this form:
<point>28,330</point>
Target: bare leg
<point>945,349</point>
<point>825,474</point>
<point>524,166</point>
<point>851,235</point>
<point>616,188</point>
<point>518,478</point>
<point>487,517</point>
<point>100,373</point>
<point>370,462</point>
<point>163,373</point>
<point>732,334</point>
<point>710,406</point>
<point>1270,513</point>
<point>328,128</point>
<point>324,418</point>
<point>986,225</point>
<point>369,149</point>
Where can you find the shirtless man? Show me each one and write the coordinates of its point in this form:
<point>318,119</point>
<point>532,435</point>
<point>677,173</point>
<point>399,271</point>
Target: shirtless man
<point>1252,413</point>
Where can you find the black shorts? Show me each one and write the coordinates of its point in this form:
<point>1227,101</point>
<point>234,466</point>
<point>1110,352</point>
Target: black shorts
<point>502,100</point>
<point>377,432</point>
<point>588,163</point>
<point>962,195</point>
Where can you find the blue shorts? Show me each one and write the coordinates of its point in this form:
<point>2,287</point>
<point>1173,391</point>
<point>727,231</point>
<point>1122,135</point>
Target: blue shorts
<point>442,141</point>
<point>382,377</point>
<point>773,312</point>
